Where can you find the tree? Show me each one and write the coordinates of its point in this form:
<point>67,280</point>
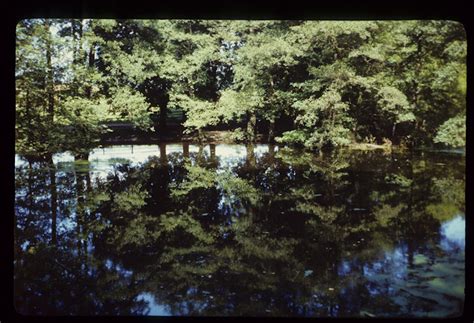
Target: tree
<point>318,84</point>
<point>262,64</point>
<point>427,59</point>
<point>321,109</point>
<point>36,79</point>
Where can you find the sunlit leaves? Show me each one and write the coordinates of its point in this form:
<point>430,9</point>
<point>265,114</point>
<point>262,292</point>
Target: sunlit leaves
<point>452,132</point>
<point>171,222</point>
<point>131,106</point>
<point>130,200</point>
<point>197,177</point>
<point>324,118</point>
<point>395,103</point>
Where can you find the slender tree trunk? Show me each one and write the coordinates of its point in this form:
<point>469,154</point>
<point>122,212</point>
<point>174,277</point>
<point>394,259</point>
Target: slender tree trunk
<point>186,149</point>
<point>271,131</point>
<point>88,182</point>
<point>163,159</point>
<point>200,135</point>
<point>30,189</point>
<point>75,54</point>
<point>251,162</point>
<point>163,125</point>
<point>92,55</point>
<point>83,55</point>
<point>251,126</point>
<point>28,105</point>
<point>80,198</point>
<point>76,25</point>
<point>212,148</point>
<point>49,73</point>
<point>29,131</point>
<point>91,62</point>
<point>30,199</point>
<point>87,219</point>
<point>271,126</point>
<point>54,200</point>
<point>271,154</point>
<point>200,157</point>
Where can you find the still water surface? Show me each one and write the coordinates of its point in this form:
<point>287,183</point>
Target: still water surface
<point>234,230</point>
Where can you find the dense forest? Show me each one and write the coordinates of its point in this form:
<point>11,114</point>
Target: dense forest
<point>313,84</point>
<point>240,168</point>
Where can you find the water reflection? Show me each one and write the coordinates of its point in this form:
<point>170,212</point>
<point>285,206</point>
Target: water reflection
<point>453,233</point>
<point>154,308</point>
<point>180,229</point>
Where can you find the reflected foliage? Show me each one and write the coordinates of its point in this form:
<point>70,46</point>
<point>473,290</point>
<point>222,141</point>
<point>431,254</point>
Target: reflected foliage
<point>279,233</point>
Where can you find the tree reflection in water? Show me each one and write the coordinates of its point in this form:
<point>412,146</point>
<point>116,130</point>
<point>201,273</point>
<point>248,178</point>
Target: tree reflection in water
<point>263,231</point>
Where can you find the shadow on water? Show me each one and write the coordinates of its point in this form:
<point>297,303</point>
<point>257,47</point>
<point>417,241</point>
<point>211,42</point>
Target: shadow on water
<point>257,230</point>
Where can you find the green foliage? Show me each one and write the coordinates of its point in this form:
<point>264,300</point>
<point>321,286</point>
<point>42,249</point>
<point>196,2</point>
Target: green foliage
<point>235,187</point>
<point>452,132</point>
<point>325,119</point>
<point>339,81</point>
<point>238,135</point>
<point>140,231</point>
<point>234,104</point>
<point>200,113</point>
<point>394,103</point>
<point>197,177</point>
<point>187,233</point>
<point>131,106</point>
<point>186,222</point>
<point>80,124</point>
<point>131,200</point>
<point>293,137</point>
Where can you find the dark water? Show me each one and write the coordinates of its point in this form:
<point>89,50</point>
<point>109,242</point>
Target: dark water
<point>235,230</point>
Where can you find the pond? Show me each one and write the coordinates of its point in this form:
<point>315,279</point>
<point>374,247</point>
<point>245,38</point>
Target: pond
<point>231,230</point>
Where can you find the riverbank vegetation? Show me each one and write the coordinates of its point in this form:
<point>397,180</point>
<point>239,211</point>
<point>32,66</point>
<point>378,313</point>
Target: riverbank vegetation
<point>315,84</point>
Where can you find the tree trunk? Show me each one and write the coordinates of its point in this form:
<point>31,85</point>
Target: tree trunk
<point>49,73</point>
<point>271,154</point>
<point>30,188</point>
<point>271,126</point>
<point>91,62</point>
<point>200,156</point>
<point>200,136</point>
<point>163,113</point>
<point>92,55</point>
<point>76,25</point>
<point>251,126</point>
<point>29,131</point>
<point>87,215</point>
<point>54,200</point>
<point>163,159</point>
<point>79,207</point>
<point>75,54</point>
<point>82,57</point>
<point>212,148</point>
<point>251,155</point>
<point>186,149</point>
<point>271,131</point>
<point>30,198</point>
